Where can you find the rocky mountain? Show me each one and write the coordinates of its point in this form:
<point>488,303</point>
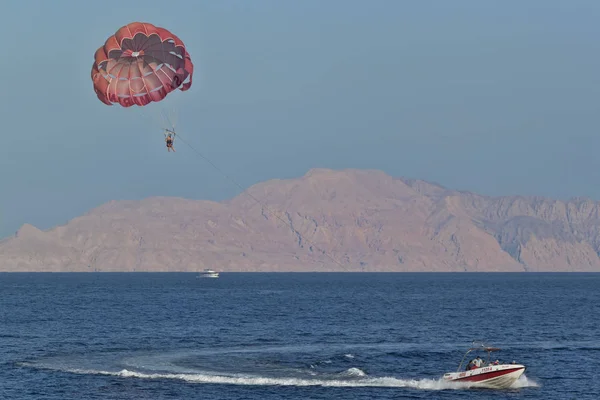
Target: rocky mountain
<point>350,220</point>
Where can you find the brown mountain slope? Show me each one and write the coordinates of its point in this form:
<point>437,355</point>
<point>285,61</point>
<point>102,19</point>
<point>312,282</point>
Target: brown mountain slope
<point>365,220</point>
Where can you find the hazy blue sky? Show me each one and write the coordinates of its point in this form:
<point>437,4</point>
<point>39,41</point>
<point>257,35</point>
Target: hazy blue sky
<point>497,97</point>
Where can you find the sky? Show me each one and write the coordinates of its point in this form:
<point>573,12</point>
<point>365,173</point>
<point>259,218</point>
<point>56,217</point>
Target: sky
<point>495,97</point>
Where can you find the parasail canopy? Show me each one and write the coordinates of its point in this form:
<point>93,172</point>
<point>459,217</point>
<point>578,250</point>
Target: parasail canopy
<point>139,64</point>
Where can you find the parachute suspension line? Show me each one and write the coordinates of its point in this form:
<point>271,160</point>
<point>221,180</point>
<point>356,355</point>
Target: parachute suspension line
<point>169,121</point>
<point>156,119</point>
<point>261,203</point>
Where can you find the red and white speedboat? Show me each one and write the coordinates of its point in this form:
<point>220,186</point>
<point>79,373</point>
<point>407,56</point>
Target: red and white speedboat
<point>489,374</point>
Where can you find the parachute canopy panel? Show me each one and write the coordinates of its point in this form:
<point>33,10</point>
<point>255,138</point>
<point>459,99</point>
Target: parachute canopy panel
<point>139,64</point>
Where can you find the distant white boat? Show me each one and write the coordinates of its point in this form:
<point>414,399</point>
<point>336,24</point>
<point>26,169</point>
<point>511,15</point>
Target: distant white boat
<point>208,273</point>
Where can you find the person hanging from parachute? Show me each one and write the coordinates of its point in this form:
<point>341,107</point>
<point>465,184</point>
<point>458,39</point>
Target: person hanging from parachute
<point>170,139</point>
<point>139,64</point>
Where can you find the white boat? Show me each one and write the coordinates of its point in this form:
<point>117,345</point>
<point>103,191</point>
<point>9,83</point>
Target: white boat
<point>489,374</point>
<point>208,273</point>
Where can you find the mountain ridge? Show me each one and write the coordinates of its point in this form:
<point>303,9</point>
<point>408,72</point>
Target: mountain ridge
<point>366,220</point>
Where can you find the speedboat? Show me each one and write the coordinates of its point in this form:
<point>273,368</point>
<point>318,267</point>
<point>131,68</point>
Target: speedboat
<point>208,273</point>
<point>488,374</point>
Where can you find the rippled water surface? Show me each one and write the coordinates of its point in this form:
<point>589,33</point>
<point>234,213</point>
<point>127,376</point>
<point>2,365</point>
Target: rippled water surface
<point>293,336</point>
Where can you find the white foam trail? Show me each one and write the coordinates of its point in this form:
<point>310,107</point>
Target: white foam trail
<point>425,384</point>
<point>354,372</point>
<point>524,381</point>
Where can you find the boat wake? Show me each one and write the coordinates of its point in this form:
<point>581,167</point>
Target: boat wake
<point>249,380</point>
<point>249,367</point>
<point>352,377</point>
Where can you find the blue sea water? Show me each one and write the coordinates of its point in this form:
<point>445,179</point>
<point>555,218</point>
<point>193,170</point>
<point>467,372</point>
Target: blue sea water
<point>292,336</point>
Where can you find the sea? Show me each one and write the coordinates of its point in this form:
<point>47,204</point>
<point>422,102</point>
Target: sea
<point>261,336</point>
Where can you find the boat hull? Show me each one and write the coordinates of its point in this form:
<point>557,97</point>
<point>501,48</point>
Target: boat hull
<point>493,376</point>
